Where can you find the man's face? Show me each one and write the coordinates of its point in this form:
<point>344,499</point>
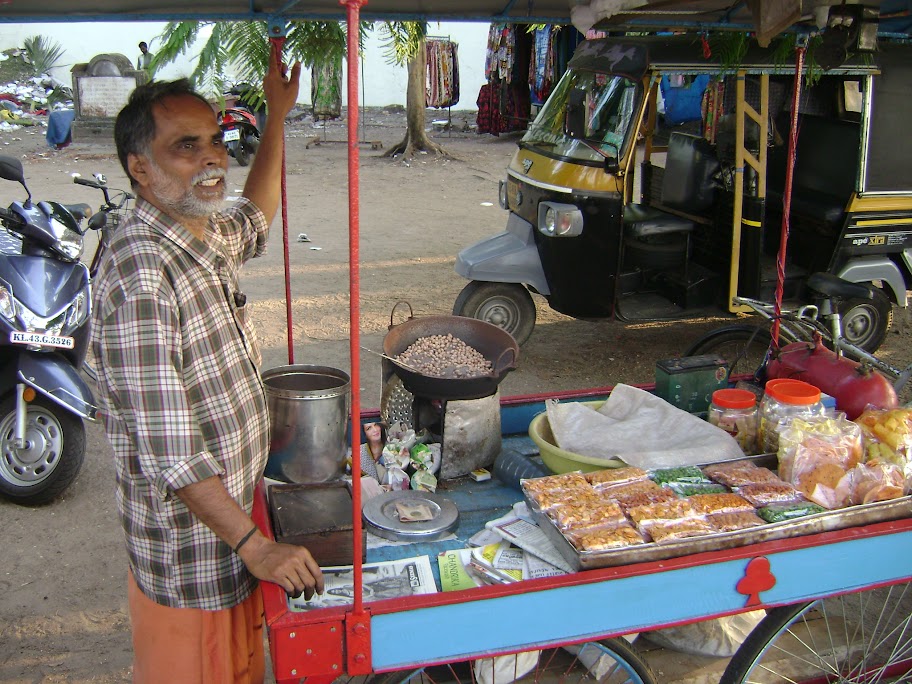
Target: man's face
<point>184,171</point>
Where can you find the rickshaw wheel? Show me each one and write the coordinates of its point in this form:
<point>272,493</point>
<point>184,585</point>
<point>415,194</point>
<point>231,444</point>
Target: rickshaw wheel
<point>242,153</point>
<point>743,347</point>
<point>506,305</point>
<point>865,322</point>
<point>861,637</point>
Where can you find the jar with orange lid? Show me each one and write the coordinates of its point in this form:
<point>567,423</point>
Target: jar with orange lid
<point>735,411</point>
<point>783,400</point>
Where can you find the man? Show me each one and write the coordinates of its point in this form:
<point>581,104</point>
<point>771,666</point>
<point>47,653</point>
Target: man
<point>144,61</point>
<point>179,391</point>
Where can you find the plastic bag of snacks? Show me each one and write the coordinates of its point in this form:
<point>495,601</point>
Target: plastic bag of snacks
<point>816,454</point>
<point>888,436</point>
<point>872,482</point>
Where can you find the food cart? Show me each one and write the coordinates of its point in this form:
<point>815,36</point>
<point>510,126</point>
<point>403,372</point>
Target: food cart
<point>404,634</point>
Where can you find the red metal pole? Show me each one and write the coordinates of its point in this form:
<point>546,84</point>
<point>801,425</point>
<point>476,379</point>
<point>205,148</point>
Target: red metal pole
<point>787,194</point>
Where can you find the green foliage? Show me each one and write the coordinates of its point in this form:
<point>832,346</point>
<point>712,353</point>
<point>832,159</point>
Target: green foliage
<point>238,52</point>
<point>729,48</point>
<point>403,39</point>
<point>43,54</point>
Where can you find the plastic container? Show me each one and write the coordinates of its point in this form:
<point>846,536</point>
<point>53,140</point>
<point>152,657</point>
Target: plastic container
<point>736,412</point>
<point>511,466</point>
<point>783,400</point>
<point>309,410</point>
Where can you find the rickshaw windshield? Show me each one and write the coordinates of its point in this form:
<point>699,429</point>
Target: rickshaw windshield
<point>610,102</point>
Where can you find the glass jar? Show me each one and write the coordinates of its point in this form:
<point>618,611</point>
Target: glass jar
<point>783,400</point>
<point>735,411</point>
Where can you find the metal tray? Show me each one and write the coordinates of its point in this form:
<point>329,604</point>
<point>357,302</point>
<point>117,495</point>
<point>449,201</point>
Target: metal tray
<point>854,516</point>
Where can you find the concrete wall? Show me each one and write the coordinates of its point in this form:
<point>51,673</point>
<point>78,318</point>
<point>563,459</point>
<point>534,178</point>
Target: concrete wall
<point>383,84</point>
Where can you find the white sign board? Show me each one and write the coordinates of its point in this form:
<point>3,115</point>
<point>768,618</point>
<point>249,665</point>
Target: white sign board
<point>104,96</point>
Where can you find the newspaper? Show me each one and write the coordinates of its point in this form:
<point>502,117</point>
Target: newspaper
<point>382,580</point>
<point>519,529</point>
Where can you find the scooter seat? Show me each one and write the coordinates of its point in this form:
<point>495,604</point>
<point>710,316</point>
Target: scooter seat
<point>642,220</point>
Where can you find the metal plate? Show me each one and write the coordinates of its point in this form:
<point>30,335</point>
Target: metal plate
<point>381,517</point>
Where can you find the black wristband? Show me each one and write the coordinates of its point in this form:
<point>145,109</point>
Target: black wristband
<point>245,538</point>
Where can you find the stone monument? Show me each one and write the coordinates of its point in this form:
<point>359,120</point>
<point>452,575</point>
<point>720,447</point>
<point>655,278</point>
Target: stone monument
<point>100,90</point>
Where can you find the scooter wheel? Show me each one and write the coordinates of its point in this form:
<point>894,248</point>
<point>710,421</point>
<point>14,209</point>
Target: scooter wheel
<point>50,462</point>
<point>242,153</point>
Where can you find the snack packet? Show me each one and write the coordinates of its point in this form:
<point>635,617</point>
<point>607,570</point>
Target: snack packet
<point>888,436</point>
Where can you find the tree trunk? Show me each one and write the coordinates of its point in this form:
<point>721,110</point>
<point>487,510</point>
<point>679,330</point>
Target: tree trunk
<point>416,138</point>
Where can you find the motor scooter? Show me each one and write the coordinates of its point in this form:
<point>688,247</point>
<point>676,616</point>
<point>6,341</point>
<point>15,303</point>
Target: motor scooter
<point>45,306</point>
<point>240,133</point>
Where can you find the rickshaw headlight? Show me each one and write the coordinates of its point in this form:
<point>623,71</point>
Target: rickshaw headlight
<point>502,194</point>
<point>559,220</point>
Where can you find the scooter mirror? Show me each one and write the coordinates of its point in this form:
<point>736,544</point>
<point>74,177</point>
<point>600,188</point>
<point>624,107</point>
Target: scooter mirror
<point>11,169</point>
<point>575,121</point>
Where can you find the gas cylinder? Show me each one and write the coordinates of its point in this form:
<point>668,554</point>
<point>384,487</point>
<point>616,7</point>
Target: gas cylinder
<point>853,385</point>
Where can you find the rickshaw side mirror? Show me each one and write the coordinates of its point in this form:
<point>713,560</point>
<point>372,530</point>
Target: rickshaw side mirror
<point>612,166</point>
<point>575,121</point>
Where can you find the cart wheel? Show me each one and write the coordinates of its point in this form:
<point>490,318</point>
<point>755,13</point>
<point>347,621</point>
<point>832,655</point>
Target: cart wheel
<point>862,637</point>
<point>242,153</point>
<point>610,661</point>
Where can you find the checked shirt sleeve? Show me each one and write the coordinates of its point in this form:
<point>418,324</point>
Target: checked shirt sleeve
<point>142,356</point>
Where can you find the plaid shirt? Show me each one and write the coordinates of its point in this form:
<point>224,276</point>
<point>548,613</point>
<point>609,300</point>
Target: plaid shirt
<point>180,395</point>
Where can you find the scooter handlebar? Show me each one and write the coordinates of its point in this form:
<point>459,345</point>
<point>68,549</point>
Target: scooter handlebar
<point>79,180</point>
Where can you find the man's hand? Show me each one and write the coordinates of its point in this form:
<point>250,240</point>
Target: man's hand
<point>281,91</point>
<point>291,567</point>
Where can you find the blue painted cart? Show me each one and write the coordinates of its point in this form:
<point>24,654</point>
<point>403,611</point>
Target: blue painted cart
<point>598,603</point>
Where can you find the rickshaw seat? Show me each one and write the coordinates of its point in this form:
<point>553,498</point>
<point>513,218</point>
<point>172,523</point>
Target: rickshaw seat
<point>687,186</point>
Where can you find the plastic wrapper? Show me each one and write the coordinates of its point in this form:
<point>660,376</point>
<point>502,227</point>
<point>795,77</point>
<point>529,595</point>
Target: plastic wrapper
<point>638,493</point>
<point>718,638</point>
<point>550,482</point>
<point>605,538</point>
<point>504,669</point>
<point>888,436</point>
<point>582,515</point>
<point>672,530</point>
<point>705,504</point>
<point>612,476</point>
<point>690,474</point>
<point>766,493</point>
<point>546,499</point>
<point>693,488</point>
<point>734,520</point>
<point>739,473</point>
<point>815,455</point>
<point>789,511</point>
<point>872,482</point>
<point>665,510</point>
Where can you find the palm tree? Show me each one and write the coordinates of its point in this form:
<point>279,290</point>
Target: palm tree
<point>244,47</point>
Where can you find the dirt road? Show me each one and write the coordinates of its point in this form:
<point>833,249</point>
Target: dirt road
<point>62,579</point>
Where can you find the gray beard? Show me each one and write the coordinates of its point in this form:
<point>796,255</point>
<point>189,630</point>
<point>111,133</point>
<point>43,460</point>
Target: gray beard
<point>180,201</point>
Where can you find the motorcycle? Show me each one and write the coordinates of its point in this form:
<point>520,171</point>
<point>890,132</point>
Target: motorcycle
<point>240,133</point>
<point>45,306</point>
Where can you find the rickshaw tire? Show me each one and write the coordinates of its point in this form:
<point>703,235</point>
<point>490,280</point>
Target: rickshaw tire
<point>879,309</point>
<point>480,298</point>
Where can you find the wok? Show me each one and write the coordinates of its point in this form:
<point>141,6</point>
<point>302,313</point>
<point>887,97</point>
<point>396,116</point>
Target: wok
<point>495,344</point>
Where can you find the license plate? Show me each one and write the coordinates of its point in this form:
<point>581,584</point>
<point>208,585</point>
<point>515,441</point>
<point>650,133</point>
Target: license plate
<point>231,134</point>
<point>42,340</point>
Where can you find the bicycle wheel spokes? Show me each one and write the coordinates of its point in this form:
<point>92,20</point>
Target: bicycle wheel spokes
<point>862,638</point>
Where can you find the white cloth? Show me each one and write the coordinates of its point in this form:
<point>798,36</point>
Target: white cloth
<point>639,428</point>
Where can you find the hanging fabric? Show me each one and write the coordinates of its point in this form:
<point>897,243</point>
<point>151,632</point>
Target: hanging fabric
<point>683,102</point>
<point>541,67</point>
<point>326,89</point>
<point>713,100</point>
<point>501,52</point>
<point>442,73</point>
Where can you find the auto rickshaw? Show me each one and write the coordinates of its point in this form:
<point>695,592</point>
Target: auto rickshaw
<point>613,212</point>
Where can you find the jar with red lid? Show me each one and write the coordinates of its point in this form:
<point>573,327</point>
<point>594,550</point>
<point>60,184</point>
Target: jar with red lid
<point>784,400</point>
<point>735,411</point>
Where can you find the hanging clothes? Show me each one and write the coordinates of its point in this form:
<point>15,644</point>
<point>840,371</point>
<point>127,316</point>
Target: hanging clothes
<point>442,73</point>
<point>326,89</point>
<point>490,117</point>
<point>541,68</point>
<point>501,52</point>
<point>683,99</point>
<point>713,100</point>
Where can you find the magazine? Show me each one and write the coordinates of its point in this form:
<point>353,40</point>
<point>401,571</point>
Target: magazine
<point>381,580</point>
<point>455,570</point>
<point>520,529</point>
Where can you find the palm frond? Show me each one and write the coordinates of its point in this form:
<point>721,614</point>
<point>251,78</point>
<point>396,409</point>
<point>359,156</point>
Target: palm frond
<point>42,53</point>
<point>175,39</point>
<point>403,40</point>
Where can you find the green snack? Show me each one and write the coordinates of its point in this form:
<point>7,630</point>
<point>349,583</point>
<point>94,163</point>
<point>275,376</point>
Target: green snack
<point>691,488</point>
<point>781,512</point>
<point>682,474</point>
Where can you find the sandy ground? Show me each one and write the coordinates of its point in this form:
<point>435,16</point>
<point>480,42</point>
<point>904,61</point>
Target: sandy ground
<point>62,578</point>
